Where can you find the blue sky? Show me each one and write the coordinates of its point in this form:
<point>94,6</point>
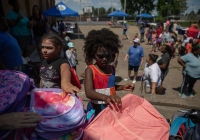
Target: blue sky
<point>75,4</point>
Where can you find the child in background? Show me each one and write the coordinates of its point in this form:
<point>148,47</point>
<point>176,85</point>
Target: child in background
<point>55,71</point>
<point>136,36</point>
<point>189,46</point>
<point>71,55</point>
<point>100,77</point>
<point>153,41</point>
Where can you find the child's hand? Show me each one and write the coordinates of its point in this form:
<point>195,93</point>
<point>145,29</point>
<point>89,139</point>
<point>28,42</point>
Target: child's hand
<point>129,87</point>
<point>71,89</point>
<point>113,99</point>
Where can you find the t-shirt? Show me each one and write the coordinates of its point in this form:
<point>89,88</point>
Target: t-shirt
<point>141,29</point>
<point>166,36</point>
<point>188,48</point>
<point>71,57</point>
<point>152,74</point>
<point>164,59</point>
<point>62,26</point>
<point>25,60</point>
<point>113,56</point>
<point>159,31</point>
<point>21,28</point>
<point>192,65</point>
<point>50,72</point>
<point>10,52</point>
<point>135,55</point>
<point>40,28</point>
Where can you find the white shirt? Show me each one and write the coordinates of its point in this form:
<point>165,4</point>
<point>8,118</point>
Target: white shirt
<point>152,74</point>
<point>25,60</point>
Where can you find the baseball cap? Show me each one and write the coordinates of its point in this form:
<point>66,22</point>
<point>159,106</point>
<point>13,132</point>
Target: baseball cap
<point>136,40</point>
<point>70,44</point>
<point>124,21</point>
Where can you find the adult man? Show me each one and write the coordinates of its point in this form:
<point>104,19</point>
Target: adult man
<point>135,57</point>
<point>10,53</point>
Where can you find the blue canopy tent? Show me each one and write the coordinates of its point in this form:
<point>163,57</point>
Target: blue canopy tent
<point>118,13</point>
<point>144,15</point>
<point>60,10</point>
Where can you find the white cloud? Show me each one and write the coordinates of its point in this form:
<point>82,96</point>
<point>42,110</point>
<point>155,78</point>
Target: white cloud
<point>109,4</point>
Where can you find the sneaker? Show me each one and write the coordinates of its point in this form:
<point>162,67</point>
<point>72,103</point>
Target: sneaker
<point>126,79</point>
<point>183,95</point>
<point>191,95</point>
<point>134,81</point>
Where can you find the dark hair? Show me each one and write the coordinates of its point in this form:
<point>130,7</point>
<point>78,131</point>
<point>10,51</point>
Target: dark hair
<point>12,2</point>
<point>153,57</point>
<point>33,13</point>
<point>168,49</point>
<point>181,51</point>
<point>55,39</point>
<point>195,48</point>
<point>100,38</point>
<point>191,41</point>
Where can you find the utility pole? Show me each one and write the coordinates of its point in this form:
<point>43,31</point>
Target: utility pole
<point>80,9</point>
<point>112,8</point>
<point>98,11</point>
<point>124,8</point>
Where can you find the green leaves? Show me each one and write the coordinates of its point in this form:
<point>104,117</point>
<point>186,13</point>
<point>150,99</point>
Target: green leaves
<point>138,6</point>
<point>171,7</point>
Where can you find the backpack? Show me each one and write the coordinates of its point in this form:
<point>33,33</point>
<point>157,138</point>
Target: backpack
<point>74,78</point>
<point>14,87</point>
<point>137,120</point>
<point>186,125</point>
<point>62,113</point>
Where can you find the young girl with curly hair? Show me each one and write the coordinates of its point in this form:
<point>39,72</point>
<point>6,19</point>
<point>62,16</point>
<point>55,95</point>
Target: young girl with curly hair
<point>100,76</point>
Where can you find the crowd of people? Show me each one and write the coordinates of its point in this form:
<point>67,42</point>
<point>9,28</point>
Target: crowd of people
<point>167,41</point>
<point>101,50</point>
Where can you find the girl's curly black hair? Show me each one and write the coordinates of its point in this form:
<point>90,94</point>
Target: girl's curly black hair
<point>100,38</point>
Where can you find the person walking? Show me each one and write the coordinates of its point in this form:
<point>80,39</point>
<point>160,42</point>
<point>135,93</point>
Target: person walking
<point>135,56</point>
<point>191,65</point>
<point>124,30</point>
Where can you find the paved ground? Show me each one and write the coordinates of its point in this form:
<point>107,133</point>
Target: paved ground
<point>166,104</point>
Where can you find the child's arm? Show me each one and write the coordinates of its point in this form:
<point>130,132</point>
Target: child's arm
<point>66,79</point>
<point>93,95</point>
<point>127,87</point>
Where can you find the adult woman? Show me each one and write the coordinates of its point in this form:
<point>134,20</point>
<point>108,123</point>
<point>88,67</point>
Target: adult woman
<point>152,74</point>
<point>39,25</point>
<point>163,60</point>
<point>18,24</point>
<point>191,65</point>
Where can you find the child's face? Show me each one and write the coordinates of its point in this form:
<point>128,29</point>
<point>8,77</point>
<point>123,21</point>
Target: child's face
<point>49,51</point>
<point>102,57</point>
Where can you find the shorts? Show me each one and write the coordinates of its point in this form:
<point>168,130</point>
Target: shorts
<point>135,68</point>
<point>124,31</point>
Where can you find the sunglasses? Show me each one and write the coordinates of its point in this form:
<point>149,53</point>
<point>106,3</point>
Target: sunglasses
<point>101,56</point>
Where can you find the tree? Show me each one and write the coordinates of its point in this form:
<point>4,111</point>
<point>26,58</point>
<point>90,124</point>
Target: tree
<point>171,7</point>
<point>198,12</point>
<point>102,11</point>
<point>110,10</point>
<point>133,6</point>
